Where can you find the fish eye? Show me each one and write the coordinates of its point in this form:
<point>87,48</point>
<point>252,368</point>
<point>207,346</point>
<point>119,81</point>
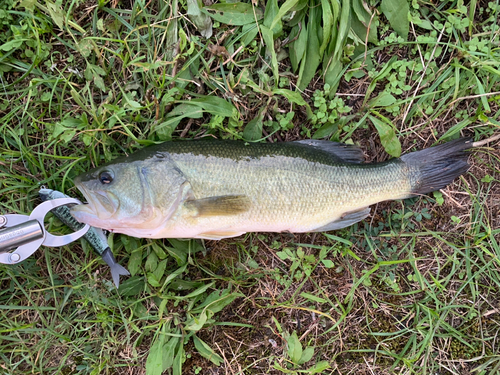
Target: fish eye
<point>105,177</point>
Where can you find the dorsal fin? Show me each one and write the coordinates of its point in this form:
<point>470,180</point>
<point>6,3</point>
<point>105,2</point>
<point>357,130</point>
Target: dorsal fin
<point>224,205</point>
<point>348,153</point>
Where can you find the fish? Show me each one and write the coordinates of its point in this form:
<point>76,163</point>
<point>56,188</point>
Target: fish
<point>220,189</point>
<point>94,236</point>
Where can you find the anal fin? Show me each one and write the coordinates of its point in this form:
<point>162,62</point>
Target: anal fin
<point>219,235</point>
<point>347,219</point>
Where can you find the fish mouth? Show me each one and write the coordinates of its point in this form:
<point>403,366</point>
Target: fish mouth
<point>100,207</point>
<point>84,212</point>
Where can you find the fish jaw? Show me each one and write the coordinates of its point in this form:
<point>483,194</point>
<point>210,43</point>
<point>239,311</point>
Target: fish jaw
<point>99,210</point>
<point>93,214</point>
<point>84,213</point>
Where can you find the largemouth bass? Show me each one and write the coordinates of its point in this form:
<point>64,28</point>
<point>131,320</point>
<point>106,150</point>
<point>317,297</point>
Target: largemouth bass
<point>219,189</point>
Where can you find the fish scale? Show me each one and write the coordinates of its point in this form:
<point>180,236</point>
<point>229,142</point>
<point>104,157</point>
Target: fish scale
<point>217,189</point>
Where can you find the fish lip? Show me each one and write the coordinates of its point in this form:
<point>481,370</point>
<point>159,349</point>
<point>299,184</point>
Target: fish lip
<point>86,208</point>
<point>85,193</point>
<point>82,209</point>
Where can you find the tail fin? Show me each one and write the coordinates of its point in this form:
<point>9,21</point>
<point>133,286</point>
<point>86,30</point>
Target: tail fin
<point>116,269</point>
<point>434,168</point>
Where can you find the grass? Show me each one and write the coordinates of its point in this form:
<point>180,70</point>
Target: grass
<point>413,289</point>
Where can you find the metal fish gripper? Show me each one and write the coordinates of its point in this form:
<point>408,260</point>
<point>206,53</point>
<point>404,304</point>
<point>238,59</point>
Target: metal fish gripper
<point>22,235</point>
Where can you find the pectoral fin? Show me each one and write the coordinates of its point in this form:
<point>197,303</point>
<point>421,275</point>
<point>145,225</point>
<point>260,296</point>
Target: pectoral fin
<point>345,220</point>
<point>225,205</point>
